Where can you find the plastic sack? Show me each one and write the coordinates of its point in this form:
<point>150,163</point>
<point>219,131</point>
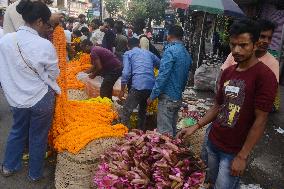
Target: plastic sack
<point>93,86</point>
<point>205,77</point>
<point>82,76</point>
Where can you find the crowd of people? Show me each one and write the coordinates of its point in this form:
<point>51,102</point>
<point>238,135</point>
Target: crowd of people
<point>110,34</point>
<point>29,68</point>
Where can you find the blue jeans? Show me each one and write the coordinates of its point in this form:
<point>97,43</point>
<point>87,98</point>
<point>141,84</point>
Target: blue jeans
<point>168,115</point>
<point>204,154</point>
<point>219,164</point>
<point>33,124</point>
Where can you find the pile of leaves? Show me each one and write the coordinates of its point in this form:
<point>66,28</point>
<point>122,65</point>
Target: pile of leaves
<point>149,160</point>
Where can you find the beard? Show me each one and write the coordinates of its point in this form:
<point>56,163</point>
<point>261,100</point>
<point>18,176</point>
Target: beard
<point>241,58</point>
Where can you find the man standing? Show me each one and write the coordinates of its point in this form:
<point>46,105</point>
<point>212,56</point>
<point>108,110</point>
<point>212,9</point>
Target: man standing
<point>266,32</point>
<point>82,23</point>
<point>121,40</point>
<point>245,97</point>
<point>109,37</point>
<point>264,41</point>
<point>139,67</point>
<point>139,26</point>
<point>97,35</point>
<point>171,81</point>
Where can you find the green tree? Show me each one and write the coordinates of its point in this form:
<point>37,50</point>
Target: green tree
<point>148,9</point>
<point>113,6</point>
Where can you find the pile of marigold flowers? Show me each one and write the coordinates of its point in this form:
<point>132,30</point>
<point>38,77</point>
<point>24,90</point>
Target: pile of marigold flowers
<point>82,63</point>
<point>153,107</point>
<point>86,121</point>
<point>76,123</point>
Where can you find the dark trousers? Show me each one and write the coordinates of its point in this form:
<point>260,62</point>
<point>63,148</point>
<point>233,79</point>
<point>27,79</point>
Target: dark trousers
<point>135,98</point>
<point>109,80</point>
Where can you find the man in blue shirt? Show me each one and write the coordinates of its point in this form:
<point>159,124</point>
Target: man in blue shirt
<point>139,69</point>
<point>171,81</point>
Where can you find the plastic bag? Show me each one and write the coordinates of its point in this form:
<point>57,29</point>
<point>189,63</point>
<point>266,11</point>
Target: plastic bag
<point>93,86</point>
<point>205,77</point>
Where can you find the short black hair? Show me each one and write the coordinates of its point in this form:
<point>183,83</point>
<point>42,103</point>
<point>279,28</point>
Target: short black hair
<point>245,26</point>
<point>82,16</point>
<point>31,11</point>
<point>119,23</point>
<point>119,26</point>
<point>176,31</point>
<point>110,22</point>
<point>77,33</point>
<point>85,29</point>
<point>133,42</point>
<point>266,25</point>
<point>139,24</point>
<point>97,22</point>
<point>86,42</point>
<point>119,29</point>
<point>63,14</point>
<point>71,19</point>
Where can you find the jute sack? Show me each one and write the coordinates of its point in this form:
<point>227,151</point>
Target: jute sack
<point>75,171</point>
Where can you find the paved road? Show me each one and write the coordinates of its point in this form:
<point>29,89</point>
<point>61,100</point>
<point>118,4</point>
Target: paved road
<point>266,167</point>
<point>20,181</point>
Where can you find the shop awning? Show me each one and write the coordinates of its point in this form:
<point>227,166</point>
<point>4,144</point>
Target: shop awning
<point>182,4</point>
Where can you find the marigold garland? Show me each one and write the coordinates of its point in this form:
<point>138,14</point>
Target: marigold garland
<point>153,107</point>
<point>76,40</point>
<point>74,67</point>
<point>76,123</point>
<point>59,42</point>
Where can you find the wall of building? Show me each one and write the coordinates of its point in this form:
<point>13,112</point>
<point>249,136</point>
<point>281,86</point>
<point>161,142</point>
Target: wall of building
<point>75,7</point>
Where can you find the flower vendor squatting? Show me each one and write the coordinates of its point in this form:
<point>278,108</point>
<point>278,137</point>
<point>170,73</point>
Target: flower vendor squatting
<point>105,64</point>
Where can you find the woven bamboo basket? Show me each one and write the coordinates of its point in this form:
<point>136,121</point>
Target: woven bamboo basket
<point>76,94</point>
<point>75,171</point>
<point>196,140</point>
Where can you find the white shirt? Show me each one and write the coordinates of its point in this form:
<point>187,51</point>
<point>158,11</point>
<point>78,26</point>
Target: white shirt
<point>83,37</point>
<point>79,26</point>
<point>1,32</point>
<point>68,36</point>
<point>97,37</point>
<point>23,88</point>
